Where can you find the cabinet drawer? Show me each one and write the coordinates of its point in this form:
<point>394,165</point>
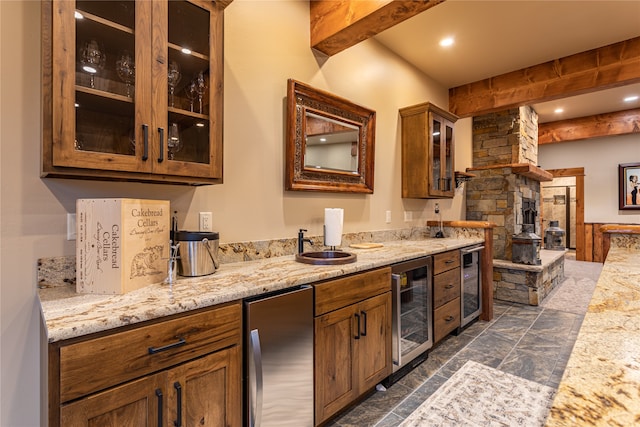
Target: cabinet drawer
<point>446,319</point>
<point>446,286</point>
<point>95,364</point>
<point>446,261</point>
<point>349,290</point>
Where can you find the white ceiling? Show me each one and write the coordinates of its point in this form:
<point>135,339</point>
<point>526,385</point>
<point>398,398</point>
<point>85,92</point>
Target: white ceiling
<point>496,37</point>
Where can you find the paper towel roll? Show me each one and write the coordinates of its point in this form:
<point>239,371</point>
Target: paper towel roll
<point>333,226</point>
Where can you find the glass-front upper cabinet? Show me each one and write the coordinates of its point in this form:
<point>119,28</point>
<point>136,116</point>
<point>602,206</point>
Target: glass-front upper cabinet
<point>133,90</point>
<point>441,179</point>
<point>427,152</point>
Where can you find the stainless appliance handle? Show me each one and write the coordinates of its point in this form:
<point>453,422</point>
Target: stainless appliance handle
<point>255,415</point>
<point>214,257</point>
<point>469,251</point>
<point>395,289</point>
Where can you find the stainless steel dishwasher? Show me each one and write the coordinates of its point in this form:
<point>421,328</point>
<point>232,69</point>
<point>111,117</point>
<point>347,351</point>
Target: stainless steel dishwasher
<point>279,359</point>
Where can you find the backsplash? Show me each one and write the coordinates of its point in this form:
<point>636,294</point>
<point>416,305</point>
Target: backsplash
<point>61,271</point>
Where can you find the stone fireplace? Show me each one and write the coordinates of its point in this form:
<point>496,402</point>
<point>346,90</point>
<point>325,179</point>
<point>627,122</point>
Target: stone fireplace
<point>506,192</point>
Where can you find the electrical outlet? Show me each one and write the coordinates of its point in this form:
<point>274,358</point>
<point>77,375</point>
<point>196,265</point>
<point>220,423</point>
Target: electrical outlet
<point>71,226</point>
<point>206,219</point>
<point>437,208</point>
<point>408,216</point>
<point>388,217</point>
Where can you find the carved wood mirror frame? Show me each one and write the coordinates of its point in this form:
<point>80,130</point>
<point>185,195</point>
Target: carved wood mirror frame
<point>303,99</point>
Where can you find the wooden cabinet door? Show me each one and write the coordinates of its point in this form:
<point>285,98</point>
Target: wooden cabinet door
<point>335,357</point>
<point>98,120</point>
<point>374,345</point>
<point>134,404</point>
<point>441,174</point>
<point>206,391</point>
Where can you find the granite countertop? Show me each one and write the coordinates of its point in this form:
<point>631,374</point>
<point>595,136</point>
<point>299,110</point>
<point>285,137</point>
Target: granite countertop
<point>601,383</point>
<point>67,314</point>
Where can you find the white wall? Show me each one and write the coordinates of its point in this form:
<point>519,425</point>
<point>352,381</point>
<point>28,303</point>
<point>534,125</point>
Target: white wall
<point>266,42</point>
<point>600,158</point>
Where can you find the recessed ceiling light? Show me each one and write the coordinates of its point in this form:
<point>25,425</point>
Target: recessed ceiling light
<point>77,15</point>
<point>558,110</point>
<point>631,98</point>
<point>186,51</point>
<point>446,42</point>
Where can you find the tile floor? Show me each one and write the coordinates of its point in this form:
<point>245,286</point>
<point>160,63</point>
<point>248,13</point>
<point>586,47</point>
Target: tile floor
<point>530,342</point>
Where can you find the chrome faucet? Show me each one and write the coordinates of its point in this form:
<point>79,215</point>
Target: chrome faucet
<point>302,240</point>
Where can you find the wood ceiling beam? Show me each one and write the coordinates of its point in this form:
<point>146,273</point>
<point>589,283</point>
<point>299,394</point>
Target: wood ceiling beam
<point>599,125</point>
<point>610,66</point>
<point>339,24</point>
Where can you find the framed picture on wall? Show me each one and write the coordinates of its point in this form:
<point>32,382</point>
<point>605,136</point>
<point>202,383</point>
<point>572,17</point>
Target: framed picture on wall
<point>629,185</point>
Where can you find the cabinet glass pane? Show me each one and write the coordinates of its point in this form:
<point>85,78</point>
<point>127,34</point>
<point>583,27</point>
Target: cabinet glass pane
<point>414,307</point>
<point>448,171</point>
<point>105,76</point>
<point>188,82</point>
<point>436,138</point>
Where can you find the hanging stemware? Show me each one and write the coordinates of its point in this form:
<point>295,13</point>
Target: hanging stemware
<point>92,59</point>
<point>173,78</point>
<point>201,86</point>
<point>126,70</point>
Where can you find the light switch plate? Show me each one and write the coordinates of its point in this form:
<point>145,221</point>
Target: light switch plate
<point>71,226</point>
<point>388,217</point>
<point>408,216</point>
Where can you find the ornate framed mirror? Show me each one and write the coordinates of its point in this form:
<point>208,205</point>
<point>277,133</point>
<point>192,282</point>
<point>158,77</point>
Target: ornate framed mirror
<point>330,142</point>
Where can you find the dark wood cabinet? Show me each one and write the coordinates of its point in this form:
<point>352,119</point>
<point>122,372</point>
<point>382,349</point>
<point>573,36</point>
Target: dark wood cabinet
<point>186,368</point>
<point>446,293</point>
<point>427,152</point>
<point>352,339</point>
<point>133,90</point>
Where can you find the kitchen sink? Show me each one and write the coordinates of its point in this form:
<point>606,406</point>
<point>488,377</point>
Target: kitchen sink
<point>326,257</point>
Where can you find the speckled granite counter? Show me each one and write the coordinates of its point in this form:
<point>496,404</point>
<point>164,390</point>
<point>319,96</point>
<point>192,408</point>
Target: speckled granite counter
<point>601,383</point>
<point>67,314</point>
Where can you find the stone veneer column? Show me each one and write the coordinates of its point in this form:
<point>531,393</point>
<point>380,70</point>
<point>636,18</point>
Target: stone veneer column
<point>505,138</point>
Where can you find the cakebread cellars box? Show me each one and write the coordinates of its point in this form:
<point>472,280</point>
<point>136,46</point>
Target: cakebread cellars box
<point>121,244</point>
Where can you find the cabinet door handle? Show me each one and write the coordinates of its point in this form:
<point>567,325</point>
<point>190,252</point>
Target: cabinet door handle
<point>161,157</point>
<point>154,350</point>
<point>145,133</point>
<point>178,387</point>
<point>449,318</point>
<point>159,394</point>
<point>255,407</point>
<point>358,328</point>
<point>449,261</point>
<point>449,287</point>
<point>364,319</point>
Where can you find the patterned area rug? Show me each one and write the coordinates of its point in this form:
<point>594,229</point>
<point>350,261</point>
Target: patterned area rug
<point>478,395</point>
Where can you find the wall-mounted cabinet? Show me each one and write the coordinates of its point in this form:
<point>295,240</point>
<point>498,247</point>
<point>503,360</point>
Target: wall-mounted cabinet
<point>133,90</point>
<point>427,152</point>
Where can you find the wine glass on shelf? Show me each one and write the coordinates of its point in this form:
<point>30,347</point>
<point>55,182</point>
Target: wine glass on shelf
<point>92,59</point>
<point>126,69</point>
<point>174,142</point>
<point>191,93</point>
<point>201,86</point>
<point>173,78</point>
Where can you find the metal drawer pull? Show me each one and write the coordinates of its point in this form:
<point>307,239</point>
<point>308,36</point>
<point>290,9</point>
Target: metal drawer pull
<point>154,350</point>
<point>449,318</point>
<point>178,387</point>
<point>145,132</point>
<point>448,287</point>
<point>161,154</point>
<point>364,317</point>
<point>160,411</point>
<point>449,261</point>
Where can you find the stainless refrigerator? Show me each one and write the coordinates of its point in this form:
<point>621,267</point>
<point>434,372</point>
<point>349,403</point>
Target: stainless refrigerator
<point>279,360</point>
